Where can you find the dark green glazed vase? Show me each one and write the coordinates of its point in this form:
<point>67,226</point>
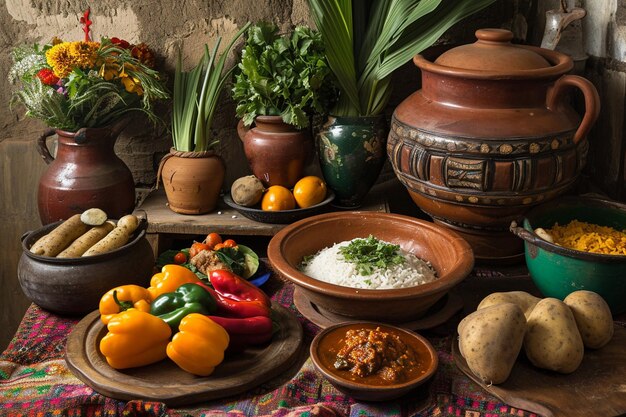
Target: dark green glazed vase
<point>352,154</point>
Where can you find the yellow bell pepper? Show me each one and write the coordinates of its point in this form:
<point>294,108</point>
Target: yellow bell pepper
<point>123,298</point>
<point>170,278</point>
<point>199,345</point>
<point>135,338</point>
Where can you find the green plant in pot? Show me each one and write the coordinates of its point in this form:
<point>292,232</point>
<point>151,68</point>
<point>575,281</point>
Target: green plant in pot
<point>366,41</point>
<point>280,82</point>
<point>193,172</point>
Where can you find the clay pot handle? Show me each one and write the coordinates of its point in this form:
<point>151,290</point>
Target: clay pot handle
<point>242,130</point>
<point>523,233</point>
<point>42,148</point>
<point>592,101</point>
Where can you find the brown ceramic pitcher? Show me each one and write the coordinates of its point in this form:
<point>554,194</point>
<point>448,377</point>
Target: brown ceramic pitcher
<point>276,151</point>
<point>490,134</point>
<point>85,173</point>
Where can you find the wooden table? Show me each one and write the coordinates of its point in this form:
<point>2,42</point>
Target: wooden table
<point>164,225</point>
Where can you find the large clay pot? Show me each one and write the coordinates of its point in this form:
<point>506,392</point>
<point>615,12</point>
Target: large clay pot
<point>277,152</point>
<point>192,180</point>
<point>489,135</point>
<point>352,153</point>
<point>85,173</point>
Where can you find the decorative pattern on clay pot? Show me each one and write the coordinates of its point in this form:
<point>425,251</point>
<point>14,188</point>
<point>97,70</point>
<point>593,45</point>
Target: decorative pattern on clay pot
<point>85,173</point>
<point>277,152</point>
<point>489,135</point>
<point>192,180</point>
<point>352,154</point>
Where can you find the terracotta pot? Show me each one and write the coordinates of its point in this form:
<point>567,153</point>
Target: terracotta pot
<point>352,153</point>
<point>192,180</point>
<point>276,151</point>
<point>86,173</point>
<point>489,135</point>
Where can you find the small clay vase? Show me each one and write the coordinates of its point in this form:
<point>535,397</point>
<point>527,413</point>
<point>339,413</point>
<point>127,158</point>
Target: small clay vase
<point>85,174</point>
<point>277,152</point>
<point>192,180</point>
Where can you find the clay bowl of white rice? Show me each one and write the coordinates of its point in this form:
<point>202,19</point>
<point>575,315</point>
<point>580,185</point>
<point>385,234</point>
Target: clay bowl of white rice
<point>370,266</point>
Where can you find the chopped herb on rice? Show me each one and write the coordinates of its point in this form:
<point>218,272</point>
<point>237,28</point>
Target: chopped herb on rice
<point>368,263</point>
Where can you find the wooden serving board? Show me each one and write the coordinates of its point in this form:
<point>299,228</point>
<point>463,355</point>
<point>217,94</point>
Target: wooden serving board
<point>166,382</point>
<point>596,388</point>
<point>438,314</point>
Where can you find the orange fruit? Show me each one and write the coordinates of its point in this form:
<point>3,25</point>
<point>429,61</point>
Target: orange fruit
<point>278,198</point>
<point>309,191</point>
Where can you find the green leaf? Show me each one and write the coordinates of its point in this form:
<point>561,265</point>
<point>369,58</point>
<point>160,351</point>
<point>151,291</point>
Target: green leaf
<point>384,35</point>
<point>275,73</point>
<point>196,95</point>
<point>234,259</point>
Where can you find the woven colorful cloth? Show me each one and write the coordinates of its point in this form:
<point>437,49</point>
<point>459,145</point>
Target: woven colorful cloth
<point>36,382</point>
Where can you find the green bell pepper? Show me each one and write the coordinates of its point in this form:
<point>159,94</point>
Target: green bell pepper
<point>189,298</point>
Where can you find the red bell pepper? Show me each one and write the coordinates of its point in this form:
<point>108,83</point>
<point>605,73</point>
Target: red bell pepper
<point>232,308</point>
<point>246,331</point>
<point>233,287</point>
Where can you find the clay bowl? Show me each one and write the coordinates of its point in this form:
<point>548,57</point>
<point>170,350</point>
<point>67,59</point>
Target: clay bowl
<point>327,343</point>
<point>74,286</point>
<point>449,254</point>
<point>557,271</point>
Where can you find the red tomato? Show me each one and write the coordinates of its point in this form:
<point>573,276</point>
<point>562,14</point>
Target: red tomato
<point>229,243</point>
<point>213,239</point>
<point>218,246</point>
<point>180,258</point>
<point>197,247</point>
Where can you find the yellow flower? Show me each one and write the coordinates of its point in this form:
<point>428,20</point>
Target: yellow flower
<point>109,70</point>
<point>66,56</point>
<point>131,84</point>
<point>84,53</point>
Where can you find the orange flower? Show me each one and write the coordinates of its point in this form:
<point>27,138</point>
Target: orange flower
<point>65,56</point>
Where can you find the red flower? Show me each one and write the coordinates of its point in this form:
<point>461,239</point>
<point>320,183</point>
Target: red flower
<point>143,53</point>
<point>86,23</point>
<point>47,76</point>
<point>120,42</point>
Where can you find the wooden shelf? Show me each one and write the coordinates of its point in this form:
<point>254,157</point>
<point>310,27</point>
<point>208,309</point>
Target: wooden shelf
<point>165,225</point>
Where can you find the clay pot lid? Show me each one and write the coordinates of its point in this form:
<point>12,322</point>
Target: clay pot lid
<point>493,51</point>
<point>493,55</point>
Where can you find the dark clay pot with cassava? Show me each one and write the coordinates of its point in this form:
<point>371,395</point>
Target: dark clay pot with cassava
<point>490,134</point>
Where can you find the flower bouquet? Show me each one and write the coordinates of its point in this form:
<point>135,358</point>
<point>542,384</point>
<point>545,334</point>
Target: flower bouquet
<point>83,90</point>
<point>74,84</point>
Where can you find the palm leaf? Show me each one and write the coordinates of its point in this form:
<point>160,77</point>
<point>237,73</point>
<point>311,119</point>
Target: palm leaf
<point>395,31</point>
<point>334,20</point>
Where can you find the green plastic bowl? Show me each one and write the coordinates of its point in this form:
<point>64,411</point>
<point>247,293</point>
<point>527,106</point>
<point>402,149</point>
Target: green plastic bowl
<point>558,271</point>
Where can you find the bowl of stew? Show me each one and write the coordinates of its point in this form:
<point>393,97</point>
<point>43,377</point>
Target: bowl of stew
<point>373,361</point>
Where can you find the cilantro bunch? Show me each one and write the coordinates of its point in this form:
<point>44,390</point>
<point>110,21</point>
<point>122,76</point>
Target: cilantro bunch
<point>370,254</point>
<point>282,75</point>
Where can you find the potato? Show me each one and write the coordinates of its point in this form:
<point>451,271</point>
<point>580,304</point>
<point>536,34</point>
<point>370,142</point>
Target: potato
<point>490,340</point>
<point>552,338</point>
<point>247,191</point>
<point>117,237</point>
<point>523,299</point>
<point>60,237</point>
<point>593,317</point>
<point>86,241</point>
